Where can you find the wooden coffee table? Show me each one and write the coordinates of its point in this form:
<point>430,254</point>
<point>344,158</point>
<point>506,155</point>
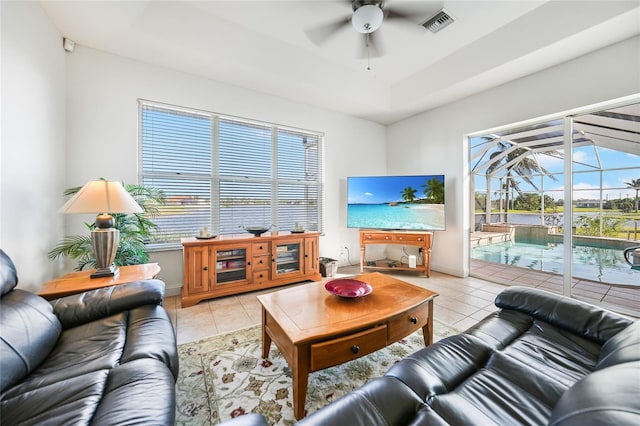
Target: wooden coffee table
<point>314,329</point>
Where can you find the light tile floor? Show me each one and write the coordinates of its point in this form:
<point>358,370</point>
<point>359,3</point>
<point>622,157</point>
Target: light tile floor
<point>461,303</point>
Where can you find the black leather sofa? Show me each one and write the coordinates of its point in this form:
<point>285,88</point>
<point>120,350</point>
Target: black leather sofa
<point>104,357</point>
<point>541,359</point>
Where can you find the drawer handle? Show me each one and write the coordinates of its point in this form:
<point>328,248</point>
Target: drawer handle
<point>414,320</point>
<point>260,275</point>
<point>260,262</point>
<point>355,349</point>
<point>248,263</point>
<point>400,238</point>
<point>259,247</point>
<point>206,268</point>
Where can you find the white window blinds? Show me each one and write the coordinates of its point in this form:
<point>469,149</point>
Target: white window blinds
<point>225,173</point>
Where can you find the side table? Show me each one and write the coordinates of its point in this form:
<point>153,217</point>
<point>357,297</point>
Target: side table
<point>78,282</point>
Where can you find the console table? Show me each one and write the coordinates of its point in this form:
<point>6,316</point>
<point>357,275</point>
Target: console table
<point>79,282</point>
<point>421,239</point>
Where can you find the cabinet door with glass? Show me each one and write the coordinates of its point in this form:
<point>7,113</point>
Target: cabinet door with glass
<point>231,266</point>
<point>287,258</point>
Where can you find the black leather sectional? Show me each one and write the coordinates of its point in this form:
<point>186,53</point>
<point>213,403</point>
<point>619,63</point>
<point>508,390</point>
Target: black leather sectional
<point>104,357</point>
<point>541,359</point>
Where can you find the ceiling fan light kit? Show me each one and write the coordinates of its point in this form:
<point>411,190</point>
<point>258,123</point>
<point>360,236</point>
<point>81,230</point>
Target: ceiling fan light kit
<point>368,18</point>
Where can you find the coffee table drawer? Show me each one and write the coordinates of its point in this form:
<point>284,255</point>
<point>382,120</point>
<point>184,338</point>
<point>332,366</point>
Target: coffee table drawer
<point>337,351</point>
<point>407,323</point>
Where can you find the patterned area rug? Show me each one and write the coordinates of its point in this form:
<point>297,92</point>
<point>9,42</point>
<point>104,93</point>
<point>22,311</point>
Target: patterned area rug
<point>225,376</point>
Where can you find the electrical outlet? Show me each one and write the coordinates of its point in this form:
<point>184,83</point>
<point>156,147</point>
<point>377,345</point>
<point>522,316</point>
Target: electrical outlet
<point>344,252</point>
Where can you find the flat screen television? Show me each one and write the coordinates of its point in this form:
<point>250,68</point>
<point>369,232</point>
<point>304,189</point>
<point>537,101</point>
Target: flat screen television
<point>396,202</point>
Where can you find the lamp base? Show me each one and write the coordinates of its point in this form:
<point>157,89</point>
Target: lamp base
<point>111,270</point>
<point>105,246</point>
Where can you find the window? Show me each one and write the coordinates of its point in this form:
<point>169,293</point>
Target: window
<point>226,172</point>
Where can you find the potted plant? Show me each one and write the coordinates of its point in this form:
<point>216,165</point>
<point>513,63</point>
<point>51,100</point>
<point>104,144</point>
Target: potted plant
<point>135,229</point>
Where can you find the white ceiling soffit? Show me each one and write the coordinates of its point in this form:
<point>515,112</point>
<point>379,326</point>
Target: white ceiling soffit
<point>261,45</point>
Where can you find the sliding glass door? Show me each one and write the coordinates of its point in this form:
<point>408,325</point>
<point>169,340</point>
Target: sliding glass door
<point>605,175</point>
<point>555,206</point>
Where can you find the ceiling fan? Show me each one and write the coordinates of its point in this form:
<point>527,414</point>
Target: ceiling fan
<point>367,18</point>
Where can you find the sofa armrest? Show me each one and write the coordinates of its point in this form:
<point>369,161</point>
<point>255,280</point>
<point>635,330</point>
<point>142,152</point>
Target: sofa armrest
<point>95,304</point>
<point>569,314</point>
<point>604,397</point>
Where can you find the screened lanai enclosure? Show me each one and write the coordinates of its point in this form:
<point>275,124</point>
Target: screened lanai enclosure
<point>555,205</point>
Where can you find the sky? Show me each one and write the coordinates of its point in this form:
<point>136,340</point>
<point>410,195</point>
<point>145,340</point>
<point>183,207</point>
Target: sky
<point>623,167</point>
<point>384,189</point>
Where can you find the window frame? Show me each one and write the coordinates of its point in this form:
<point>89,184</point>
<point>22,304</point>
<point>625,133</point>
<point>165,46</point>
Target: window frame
<point>216,179</point>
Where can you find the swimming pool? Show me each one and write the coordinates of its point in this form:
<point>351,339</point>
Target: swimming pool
<point>591,263</point>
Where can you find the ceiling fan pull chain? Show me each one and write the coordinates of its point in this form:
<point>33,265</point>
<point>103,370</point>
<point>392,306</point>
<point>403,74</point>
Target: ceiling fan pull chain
<point>368,55</point>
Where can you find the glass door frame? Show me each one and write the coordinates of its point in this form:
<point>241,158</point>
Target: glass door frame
<point>568,125</point>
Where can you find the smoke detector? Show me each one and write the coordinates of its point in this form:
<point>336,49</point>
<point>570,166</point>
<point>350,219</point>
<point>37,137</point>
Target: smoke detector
<point>438,21</point>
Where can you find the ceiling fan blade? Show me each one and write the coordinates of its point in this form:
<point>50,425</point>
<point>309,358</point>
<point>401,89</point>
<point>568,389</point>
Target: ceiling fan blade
<point>411,12</point>
<point>322,33</point>
<point>393,13</point>
<point>407,20</point>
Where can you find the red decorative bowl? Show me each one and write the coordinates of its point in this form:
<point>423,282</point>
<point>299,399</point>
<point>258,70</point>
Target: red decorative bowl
<point>347,287</point>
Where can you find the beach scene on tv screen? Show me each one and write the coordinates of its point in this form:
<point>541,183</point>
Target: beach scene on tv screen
<point>396,202</point>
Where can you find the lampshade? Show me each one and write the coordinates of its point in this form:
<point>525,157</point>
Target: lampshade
<point>101,196</point>
<point>367,18</point>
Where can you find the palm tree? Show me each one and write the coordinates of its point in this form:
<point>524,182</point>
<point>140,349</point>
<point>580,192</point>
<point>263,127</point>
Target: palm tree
<point>523,167</point>
<point>635,184</point>
<point>434,189</point>
<point>409,194</point>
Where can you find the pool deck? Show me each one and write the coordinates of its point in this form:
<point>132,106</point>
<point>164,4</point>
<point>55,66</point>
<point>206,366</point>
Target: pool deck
<point>623,299</point>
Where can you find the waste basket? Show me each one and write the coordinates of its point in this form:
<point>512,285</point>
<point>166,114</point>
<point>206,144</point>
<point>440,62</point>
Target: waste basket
<point>328,267</point>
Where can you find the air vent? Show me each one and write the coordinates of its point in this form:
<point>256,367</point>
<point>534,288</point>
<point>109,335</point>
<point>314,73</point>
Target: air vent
<point>438,21</point>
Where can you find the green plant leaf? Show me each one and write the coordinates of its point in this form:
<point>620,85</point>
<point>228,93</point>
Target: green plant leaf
<point>134,229</point>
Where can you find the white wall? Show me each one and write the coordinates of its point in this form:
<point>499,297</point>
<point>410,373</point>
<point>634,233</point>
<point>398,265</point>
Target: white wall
<point>32,153</point>
<point>434,142</point>
<point>100,111</point>
<point>102,93</point>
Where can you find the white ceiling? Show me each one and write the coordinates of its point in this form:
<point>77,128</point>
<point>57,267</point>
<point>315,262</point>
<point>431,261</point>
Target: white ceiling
<point>262,45</point>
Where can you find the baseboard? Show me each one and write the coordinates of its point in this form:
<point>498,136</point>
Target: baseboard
<point>445,270</point>
<point>173,290</point>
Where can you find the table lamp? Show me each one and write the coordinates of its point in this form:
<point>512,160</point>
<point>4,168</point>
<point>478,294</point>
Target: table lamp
<point>103,197</point>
